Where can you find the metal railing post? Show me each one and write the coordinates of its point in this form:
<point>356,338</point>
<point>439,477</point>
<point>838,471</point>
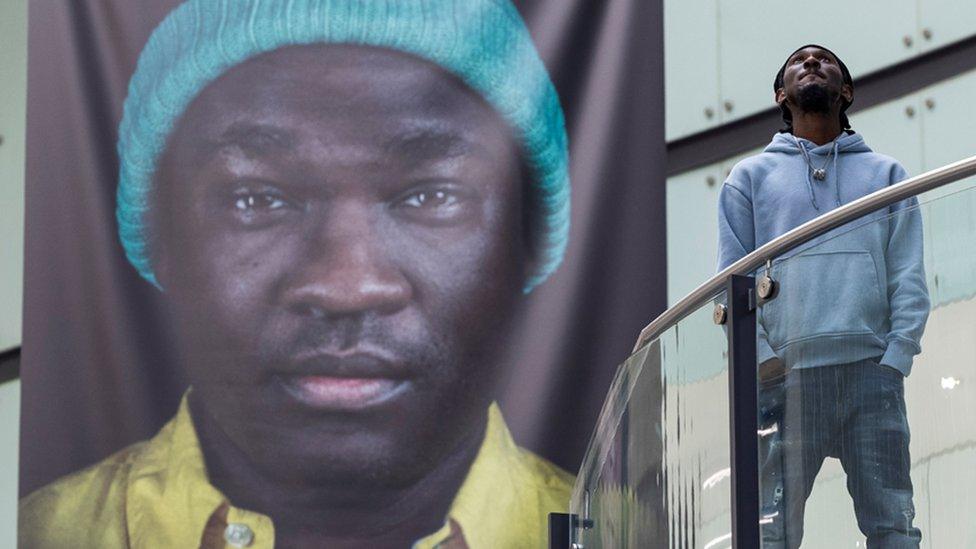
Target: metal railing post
<point>743,411</point>
<point>560,530</point>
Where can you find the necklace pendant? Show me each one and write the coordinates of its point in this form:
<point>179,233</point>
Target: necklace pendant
<point>819,174</point>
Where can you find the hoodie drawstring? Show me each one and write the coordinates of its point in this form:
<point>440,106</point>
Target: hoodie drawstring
<point>834,151</point>
<point>836,178</point>
<point>813,198</point>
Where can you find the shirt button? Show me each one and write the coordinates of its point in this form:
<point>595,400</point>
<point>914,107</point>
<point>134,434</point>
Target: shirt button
<point>238,535</point>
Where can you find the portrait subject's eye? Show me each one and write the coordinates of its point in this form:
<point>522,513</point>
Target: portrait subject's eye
<point>258,202</point>
<point>436,204</point>
<point>256,206</point>
<point>431,199</point>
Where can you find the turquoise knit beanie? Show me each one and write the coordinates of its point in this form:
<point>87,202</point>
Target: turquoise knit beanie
<point>484,42</point>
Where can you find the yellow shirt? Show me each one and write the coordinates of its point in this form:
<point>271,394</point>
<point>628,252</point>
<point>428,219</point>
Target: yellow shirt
<point>155,494</point>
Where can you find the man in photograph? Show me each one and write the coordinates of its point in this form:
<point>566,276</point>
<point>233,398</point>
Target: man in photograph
<point>344,204</point>
<point>837,342</point>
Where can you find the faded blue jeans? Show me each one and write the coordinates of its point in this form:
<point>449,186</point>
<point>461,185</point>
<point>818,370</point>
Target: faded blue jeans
<point>856,413</point>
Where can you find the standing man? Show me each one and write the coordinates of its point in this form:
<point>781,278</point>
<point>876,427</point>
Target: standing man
<point>344,203</point>
<point>836,344</point>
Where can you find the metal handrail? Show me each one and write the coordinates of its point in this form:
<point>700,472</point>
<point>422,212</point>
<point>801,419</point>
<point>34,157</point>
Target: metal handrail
<point>805,233</point>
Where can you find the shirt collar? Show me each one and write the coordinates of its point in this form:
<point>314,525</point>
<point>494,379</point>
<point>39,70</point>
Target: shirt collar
<point>170,501</point>
<point>487,505</point>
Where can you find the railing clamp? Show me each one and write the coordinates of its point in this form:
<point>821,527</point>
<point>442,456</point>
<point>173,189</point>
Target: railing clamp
<point>766,287</point>
<point>720,314</point>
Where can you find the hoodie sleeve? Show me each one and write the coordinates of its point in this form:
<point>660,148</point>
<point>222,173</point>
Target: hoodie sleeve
<point>908,296</point>
<point>736,238</point>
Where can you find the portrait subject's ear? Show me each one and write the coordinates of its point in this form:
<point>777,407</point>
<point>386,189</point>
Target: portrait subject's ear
<point>531,240</point>
<point>531,263</point>
<point>161,264</point>
<point>160,241</point>
<point>162,238</point>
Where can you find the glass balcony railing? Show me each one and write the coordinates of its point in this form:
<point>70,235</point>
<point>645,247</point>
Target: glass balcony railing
<point>835,436</point>
<point>661,450</point>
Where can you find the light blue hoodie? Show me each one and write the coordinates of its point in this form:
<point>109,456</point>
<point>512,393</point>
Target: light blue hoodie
<point>855,293</point>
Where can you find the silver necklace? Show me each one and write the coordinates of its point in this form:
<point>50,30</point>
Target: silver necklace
<point>818,173</point>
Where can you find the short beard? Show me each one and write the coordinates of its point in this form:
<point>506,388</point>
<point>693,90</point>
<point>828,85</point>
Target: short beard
<point>814,99</point>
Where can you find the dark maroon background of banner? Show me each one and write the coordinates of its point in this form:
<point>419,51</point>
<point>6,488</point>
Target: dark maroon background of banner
<point>97,367</point>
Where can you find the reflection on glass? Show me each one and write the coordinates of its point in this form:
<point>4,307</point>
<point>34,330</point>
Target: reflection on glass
<point>854,451</point>
<point>845,332</point>
<point>657,470</point>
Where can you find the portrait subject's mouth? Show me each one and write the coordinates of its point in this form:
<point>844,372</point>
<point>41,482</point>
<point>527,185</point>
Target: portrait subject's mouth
<point>342,394</point>
<point>343,381</point>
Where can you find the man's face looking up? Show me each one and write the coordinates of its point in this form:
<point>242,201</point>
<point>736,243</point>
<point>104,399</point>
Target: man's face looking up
<point>341,239</point>
<point>813,82</point>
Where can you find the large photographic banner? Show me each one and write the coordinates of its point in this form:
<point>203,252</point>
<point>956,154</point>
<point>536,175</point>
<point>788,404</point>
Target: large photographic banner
<point>311,272</point>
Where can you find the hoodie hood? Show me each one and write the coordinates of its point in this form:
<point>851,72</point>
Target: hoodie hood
<point>820,157</point>
<point>846,143</point>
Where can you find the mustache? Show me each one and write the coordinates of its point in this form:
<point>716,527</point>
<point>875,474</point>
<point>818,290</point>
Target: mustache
<point>363,363</point>
<point>351,347</point>
<point>339,334</point>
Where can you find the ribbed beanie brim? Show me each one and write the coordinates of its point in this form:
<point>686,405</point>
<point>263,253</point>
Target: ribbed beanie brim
<point>484,42</point>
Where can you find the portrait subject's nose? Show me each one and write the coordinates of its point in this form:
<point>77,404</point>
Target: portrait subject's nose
<point>346,270</point>
<point>811,62</point>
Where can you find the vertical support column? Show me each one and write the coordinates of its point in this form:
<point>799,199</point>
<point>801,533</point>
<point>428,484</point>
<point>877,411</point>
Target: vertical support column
<point>561,530</point>
<point>743,404</point>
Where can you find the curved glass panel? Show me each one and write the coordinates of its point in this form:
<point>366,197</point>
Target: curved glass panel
<point>868,382</point>
<point>866,359</point>
<point>656,473</point>
<point>949,218</point>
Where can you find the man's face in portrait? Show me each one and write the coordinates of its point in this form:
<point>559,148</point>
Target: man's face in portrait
<point>341,238</point>
<point>813,81</point>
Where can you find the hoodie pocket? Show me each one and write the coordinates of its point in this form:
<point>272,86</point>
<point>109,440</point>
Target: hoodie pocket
<point>822,294</point>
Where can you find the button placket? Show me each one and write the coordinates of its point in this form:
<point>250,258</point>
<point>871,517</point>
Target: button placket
<point>238,534</point>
